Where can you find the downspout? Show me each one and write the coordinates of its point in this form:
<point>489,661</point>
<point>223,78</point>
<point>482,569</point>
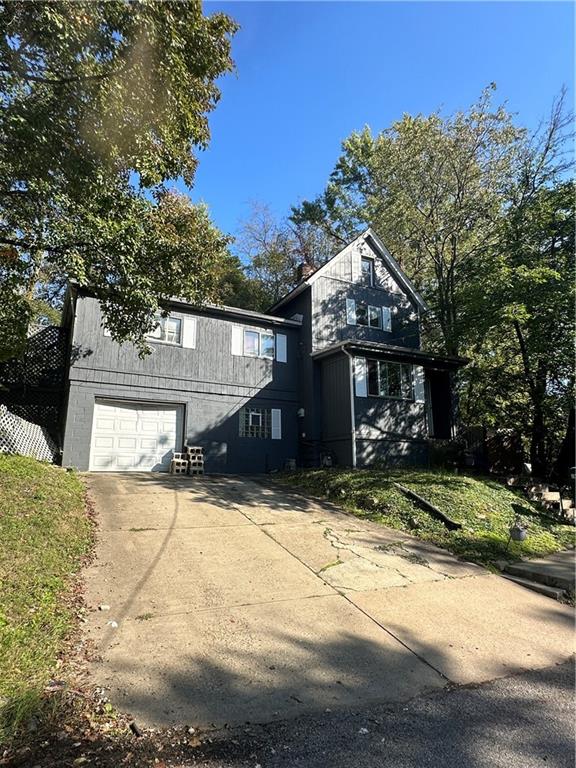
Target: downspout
<point>352,411</point>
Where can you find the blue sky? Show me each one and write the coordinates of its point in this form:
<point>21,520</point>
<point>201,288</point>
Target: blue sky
<point>310,73</point>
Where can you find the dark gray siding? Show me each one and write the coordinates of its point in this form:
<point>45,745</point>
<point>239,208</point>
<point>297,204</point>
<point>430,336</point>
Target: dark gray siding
<point>336,408</point>
<point>329,314</point>
<point>389,431</point>
<point>309,376</point>
<point>341,279</point>
<point>210,382</point>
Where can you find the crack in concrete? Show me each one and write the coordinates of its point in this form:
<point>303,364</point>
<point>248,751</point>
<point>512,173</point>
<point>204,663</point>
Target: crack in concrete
<point>338,544</point>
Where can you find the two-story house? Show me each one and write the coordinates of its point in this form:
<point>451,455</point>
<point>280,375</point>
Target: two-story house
<point>333,369</point>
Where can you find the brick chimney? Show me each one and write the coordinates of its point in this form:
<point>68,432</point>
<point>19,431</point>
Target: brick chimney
<point>303,271</point>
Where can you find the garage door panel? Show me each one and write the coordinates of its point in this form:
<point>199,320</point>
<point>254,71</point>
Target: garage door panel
<point>134,436</point>
<point>104,442</point>
<point>127,442</point>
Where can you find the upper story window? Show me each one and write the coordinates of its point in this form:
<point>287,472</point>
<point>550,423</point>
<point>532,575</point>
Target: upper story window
<point>368,315</point>
<point>367,271</point>
<point>361,313</point>
<point>394,380</point>
<point>258,344</point>
<point>168,330</point>
<point>252,342</point>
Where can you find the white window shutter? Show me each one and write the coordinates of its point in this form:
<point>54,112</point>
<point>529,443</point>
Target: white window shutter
<point>419,389</point>
<point>386,319</point>
<point>237,340</point>
<point>189,332</point>
<point>360,377</point>
<point>276,424</point>
<point>350,312</point>
<point>281,348</point>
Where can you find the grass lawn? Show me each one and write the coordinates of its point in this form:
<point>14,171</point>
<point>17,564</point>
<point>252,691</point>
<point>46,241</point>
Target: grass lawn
<point>486,509</point>
<point>44,532</point>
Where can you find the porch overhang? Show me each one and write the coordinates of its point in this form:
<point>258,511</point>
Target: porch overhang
<point>392,352</point>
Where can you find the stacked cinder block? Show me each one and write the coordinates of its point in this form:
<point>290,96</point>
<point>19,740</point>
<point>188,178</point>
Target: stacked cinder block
<point>179,464</point>
<point>195,456</point>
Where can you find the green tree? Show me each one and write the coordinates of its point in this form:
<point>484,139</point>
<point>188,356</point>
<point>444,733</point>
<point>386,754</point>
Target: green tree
<point>102,103</point>
<point>434,188</point>
<point>480,215</point>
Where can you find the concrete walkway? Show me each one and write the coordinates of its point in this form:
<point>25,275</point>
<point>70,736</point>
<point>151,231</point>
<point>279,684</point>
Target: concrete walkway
<point>237,601</point>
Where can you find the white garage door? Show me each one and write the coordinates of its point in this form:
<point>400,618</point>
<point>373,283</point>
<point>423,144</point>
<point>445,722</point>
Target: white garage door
<point>134,437</point>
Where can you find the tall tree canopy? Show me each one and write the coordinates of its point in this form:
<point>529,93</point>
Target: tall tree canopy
<point>102,103</point>
<point>480,215</point>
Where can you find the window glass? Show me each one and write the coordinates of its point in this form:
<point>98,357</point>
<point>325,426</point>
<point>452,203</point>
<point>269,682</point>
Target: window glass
<point>374,317</point>
<point>267,345</point>
<point>390,380</point>
<point>373,385</point>
<point>361,313</point>
<point>172,326</point>
<point>368,271</point>
<point>251,343</point>
<point>394,380</point>
<point>255,422</point>
<point>382,379</point>
<point>168,329</point>
<point>254,418</point>
<point>407,385</point>
<point>156,333</point>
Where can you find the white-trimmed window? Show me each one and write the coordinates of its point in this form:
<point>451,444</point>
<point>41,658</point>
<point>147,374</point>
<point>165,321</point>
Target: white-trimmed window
<point>258,344</point>
<point>176,331</point>
<point>367,269</point>
<point>368,315</point>
<point>168,330</point>
<point>393,380</point>
<point>362,313</point>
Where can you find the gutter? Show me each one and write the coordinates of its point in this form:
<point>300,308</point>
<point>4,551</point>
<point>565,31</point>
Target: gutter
<point>352,410</point>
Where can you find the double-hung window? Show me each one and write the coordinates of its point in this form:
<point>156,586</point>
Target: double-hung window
<point>394,380</point>
<point>368,315</point>
<point>167,330</point>
<point>362,313</point>
<point>258,344</point>
<point>367,271</point>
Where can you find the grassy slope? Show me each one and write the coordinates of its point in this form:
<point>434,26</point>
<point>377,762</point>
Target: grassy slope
<point>485,508</point>
<point>44,531</point>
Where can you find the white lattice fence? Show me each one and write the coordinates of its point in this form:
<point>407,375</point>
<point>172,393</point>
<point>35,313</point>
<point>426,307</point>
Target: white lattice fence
<point>20,436</point>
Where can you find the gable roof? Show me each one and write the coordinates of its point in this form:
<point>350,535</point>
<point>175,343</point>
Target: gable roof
<point>373,241</point>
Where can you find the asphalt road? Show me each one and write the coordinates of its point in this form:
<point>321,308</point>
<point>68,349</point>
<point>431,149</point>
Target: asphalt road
<point>522,721</point>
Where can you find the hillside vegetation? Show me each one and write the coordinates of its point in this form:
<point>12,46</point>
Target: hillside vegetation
<point>485,508</point>
<point>44,532</point>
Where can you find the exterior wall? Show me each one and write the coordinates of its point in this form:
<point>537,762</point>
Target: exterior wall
<point>336,408</point>
<point>341,280</point>
<point>309,371</point>
<point>390,431</point>
<point>210,382</point>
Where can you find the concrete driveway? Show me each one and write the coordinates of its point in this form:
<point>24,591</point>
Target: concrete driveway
<point>239,601</point>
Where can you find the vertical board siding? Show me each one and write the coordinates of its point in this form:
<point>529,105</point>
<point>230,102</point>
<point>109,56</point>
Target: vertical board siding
<point>209,382</point>
<point>336,408</point>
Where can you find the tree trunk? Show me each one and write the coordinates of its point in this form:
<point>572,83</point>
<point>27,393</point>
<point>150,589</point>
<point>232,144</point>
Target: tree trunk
<point>537,389</point>
<point>538,435</point>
